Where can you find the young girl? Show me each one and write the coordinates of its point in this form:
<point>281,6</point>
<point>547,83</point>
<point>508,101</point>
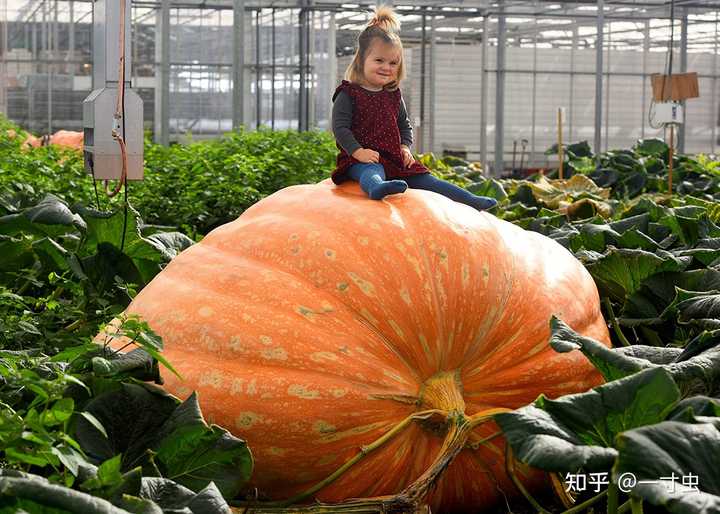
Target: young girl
<point>371,124</point>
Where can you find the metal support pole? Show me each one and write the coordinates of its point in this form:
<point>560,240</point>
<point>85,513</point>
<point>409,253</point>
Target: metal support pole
<point>715,119</point>
<point>571,101</point>
<point>238,63</point>
<point>162,74</point>
<point>533,115</point>
<point>645,106</point>
<point>423,43</point>
<point>302,50</point>
<point>607,88</point>
<point>4,21</point>
<point>500,95</point>
<point>432,79</point>
<point>310,77</point>
<point>71,42</point>
<point>272,78</point>
<point>484,97</point>
<point>49,58</point>
<point>332,57</point>
<point>683,69</point>
<point>599,75</point>
<point>258,72</point>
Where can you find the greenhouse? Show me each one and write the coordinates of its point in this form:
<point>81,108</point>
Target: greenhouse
<point>594,60</point>
<point>304,257</point>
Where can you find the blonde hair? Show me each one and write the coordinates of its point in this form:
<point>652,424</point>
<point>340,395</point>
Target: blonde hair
<point>385,26</point>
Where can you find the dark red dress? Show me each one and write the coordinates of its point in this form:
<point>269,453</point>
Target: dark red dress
<point>375,126</point>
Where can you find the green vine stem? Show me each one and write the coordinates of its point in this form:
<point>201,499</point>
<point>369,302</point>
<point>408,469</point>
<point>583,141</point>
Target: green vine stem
<point>365,450</point>
<point>636,504</point>
<point>411,498</point>
<point>584,505</point>
<point>510,467</point>
<point>614,322</point>
<point>613,494</point>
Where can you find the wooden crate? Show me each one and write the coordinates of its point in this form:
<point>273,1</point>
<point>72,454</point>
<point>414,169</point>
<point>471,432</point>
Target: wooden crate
<point>675,87</point>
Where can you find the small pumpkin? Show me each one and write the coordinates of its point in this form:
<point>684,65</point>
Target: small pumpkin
<point>68,139</point>
<point>320,323</point>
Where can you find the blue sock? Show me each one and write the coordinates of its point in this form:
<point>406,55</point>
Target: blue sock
<point>431,183</point>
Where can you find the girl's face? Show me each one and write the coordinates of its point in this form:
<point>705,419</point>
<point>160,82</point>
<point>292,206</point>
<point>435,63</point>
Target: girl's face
<point>381,64</point>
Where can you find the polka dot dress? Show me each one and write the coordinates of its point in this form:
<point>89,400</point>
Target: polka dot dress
<point>374,125</point>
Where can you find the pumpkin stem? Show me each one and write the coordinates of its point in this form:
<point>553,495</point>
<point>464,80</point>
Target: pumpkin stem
<point>365,450</point>
<point>442,395</point>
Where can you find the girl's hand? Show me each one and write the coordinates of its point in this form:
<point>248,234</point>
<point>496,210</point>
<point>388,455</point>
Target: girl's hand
<point>407,157</point>
<point>366,155</point>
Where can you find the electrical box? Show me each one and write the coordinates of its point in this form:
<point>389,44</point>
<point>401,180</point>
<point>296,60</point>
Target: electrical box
<point>668,112</point>
<point>103,156</point>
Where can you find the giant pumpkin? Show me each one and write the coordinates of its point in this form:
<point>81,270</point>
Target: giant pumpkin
<point>332,331</point>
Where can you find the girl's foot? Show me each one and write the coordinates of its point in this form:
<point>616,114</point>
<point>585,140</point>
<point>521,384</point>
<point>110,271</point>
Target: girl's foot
<point>387,187</point>
<point>483,203</point>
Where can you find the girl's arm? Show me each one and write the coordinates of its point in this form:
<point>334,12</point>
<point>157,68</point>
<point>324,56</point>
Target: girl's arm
<point>406,131</point>
<point>342,121</point>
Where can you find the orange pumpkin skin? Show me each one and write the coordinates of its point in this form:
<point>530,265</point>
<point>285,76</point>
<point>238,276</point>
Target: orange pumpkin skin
<point>310,325</point>
<point>68,139</point>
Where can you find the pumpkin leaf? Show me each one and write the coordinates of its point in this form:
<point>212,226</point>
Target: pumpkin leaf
<point>577,431</point>
<point>49,217</point>
<point>488,187</point>
<point>620,272</point>
<point>653,147</point>
<point>195,454</point>
<point>610,363</point>
<point>675,465</point>
<point>697,364</point>
<point>696,409</point>
<point>173,497</point>
<point>130,436</point>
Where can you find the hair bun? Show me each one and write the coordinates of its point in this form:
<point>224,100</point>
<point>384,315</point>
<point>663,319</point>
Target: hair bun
<point>386,19</point>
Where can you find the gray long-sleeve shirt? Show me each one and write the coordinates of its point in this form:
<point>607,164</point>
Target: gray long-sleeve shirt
<point>342,114</point>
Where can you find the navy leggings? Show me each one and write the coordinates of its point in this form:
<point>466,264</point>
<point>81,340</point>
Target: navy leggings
<point>371,177</point>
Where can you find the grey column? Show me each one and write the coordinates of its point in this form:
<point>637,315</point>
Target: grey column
<point>238,63</point>
<point>646,50</point>
<point>332,58</point>
<point>3,60</point>
<point>571,101</point>
<point>533,115</point>
<point>683,69</point>
<point>302,61</point>
<point>599,75</point>
<point>484,97</point>
<point>715,115</point>
<point>71,42</point>
<point>433,90</point>
<point>606,87</point>
<point>423,48</point>
<point>258,71</point>
<point>500,95</point>
<point>162,74</point>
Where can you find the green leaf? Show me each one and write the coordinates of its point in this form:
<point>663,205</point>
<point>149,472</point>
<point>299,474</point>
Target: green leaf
<point>71,458</point>
<point>668,455</point>
<point>611,364</point>
<point>195,455</point>
<point>60,412</point>
<point>94,422</point>
<point>44,494</point>
<point>621,272</point>
<point>170,495</point>
<point>652,147</point>
<point>129,435</point>
<point>578,431</point>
